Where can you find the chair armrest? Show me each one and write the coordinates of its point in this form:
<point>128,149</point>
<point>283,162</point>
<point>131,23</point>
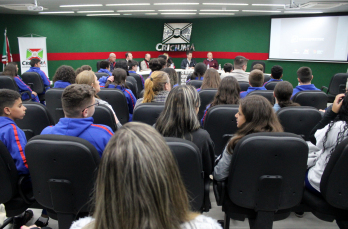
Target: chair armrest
<point>28,200</point>
<point>219,191</point>
<point>27,92</point>
<point>323,87</point>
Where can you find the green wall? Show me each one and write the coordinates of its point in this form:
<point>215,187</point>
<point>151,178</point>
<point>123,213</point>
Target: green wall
<point>106,34</point>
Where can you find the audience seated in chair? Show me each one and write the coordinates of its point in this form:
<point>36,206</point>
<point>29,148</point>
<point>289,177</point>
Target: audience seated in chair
<point>211,80</point>
<point>65,75</point>
<point>304,77</point>
<point>35,67</point>
<point>12,70</point>
<point>83,68</point>
<point>255,114</point>
<point>228,68</point>
<point>89,78</point>
<point>78,101</point>
<point>228,93</point>
<point>259,67</point>
<point>198,72</point>
<point>104,68</point>
<point>282,94</point>
<point>133,65</point>
<point>173,76</point>
<point>240,66</point>
<point>276,74</point>
<point>255,82</point>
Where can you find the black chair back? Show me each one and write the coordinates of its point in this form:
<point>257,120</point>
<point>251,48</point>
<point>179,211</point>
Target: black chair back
<point>34,81</point>
<point>243,86</point>
<point>7,82</point>
<point>195,83</point>
<point>58,183</point>
<point>338,84</point>
<point>220,122</point>
<point>299,120</point>
<point>268,94</point>
<point>271,85</point>
<point>101,74</point>
<point>148,112</point>
<point>207,96</point>
<point>54,103</point>
<point>98,65</point>
<point>189,160</point>
<point>258,62</point>
<point>317,99</point>
<point>103,115</point>
<point>139,82</point>
<point>141,94</point>
<point>118,102</point>
<point>35,120</point>
<point>266,78</point>
<point>132,84</point>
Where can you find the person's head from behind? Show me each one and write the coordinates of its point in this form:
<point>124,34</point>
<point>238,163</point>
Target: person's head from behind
<point>228,67</point>
<point>179,116</point>
<point>122,64</point>
<point>283,92</point>
<point>211,79</point>
<point>120,76</point>
<point>129,56</point>
<point>228,92</point>
<point>112,57</point>
<point>255,114</point>
<point>154,84</point>
<point>276,72</point>
<point>65,73</point>
<point>133,65</point>
<point>240,62</point>
<point>210,56</point>
<point>173,76</point>
<point>89,78</point>
<point>156,64</point>
<point>256,78</point>
<point>163,56</point>
<point>138,172</point>
<point>35,62</point>
<point>147,56</point>
<point>11,104</point>
<point>189,55</point>
<point>259,67</point>
<point>304,75</point>
<point>11,69</point>
<point>104,64</point>
<point>199,71</point>
<point>78,101</point>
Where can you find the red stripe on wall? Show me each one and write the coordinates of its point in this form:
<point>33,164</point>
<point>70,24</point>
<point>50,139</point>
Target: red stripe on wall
<point>141,54</point>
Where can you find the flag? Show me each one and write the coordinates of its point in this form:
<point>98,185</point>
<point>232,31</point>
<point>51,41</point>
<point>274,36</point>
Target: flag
<point>6,51</point>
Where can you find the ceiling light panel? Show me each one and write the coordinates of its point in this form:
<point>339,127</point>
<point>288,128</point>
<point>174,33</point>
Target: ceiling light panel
<point>82,5</point>
<point>221,10</point>
<point>262,11</point>
<point>175,10</point>
<point>216,13</point>
<point>176,13</point>
<point>95,11</point>
<point>57,12</point>
<point>135,11</point>
<point>226,4</point>
<point>177,3</point>
<point>103,14</point>
<point>268,5</point>
<point>129,4</point>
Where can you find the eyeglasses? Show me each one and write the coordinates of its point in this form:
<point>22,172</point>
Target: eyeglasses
<point>95,104</point>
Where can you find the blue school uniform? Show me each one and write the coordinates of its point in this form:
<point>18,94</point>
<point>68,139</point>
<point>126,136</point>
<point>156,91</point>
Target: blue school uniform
<point>141,77</point>
<point>103,70</point>
<point>61,84</point>
<point>309,87</point>
<point>205,114</point>
<point>272,80</point>
<point>45,79</point>
<point>250,89</point>
<point>102,80</point>
<point>23,87</point>
<point>97,134</point>
<point>14,139</point>
<point>198,89</point>
<point>201,78</point>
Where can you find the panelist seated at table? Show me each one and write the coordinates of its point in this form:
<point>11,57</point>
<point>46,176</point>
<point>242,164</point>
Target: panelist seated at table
<point>145,65</point>
<point>189,61</point>
<point>212,63</point>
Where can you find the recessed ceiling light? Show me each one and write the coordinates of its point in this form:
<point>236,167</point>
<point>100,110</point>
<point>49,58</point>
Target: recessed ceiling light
<point>178,3</point>
<point>129,4</point>
<point>57,12</point>
<point>135,11</point>
<point>103,14</point>
<point>175,10</point>
<point>83,5</point>
<point>303,12</point>
<point>126,14</point>
<point>222,10</point>
<point>262,11</point>
<point>217,13</point>
<point>268,4</point>
<point>227,4</point>
<point>151,13</point>
<point>178,13</point>
<point>95,11</point>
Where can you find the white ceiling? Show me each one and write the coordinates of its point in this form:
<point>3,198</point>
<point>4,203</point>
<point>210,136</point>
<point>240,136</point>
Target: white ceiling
<point>54,5</point>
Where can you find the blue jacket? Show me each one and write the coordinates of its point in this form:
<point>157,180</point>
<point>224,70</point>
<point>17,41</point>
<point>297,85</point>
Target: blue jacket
<point>45,79</point>
<point>309,87</point>
<point>105,71</point>
<point>15,141</point>
<point>23,87</point>
<point>205,114</point>
<point>131,100</point>
<point>272,80</point>
<point>61,84</point>
<point>196,79</point>
<point>250,89</point>
<point>198,89</point>
<point>141,77</point>
<point>97,135</point>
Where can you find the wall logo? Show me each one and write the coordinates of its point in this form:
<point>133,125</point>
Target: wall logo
<point>176,37</point>
<point>34,53</point>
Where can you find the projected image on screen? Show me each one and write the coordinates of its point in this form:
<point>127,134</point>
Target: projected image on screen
<point>309,38</point>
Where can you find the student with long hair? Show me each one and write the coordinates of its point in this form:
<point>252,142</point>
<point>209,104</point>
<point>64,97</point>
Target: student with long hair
<point>139,185</point>
<point>173,76</point>
<point>228,93</point>
<point>255,114</point>
<point>89,78</point>
<point>64,76</point>
<point>198,72</point>
<point>12,70</point>
<point>179,119</point>
<point>282,94</point>
<point>157,88</point>
<point>211,79</point>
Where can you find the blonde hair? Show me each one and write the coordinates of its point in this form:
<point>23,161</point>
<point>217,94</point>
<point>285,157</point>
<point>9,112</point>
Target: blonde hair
<point>211,79</point>
<point>154,84</point>
<point>139,183</point>
<point>85,77</point>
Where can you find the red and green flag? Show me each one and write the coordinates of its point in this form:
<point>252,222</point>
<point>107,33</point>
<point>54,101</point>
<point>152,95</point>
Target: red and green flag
<point>6,51</point>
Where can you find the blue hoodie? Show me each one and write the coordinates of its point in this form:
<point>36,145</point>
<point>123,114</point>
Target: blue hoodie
<point>272,80</point>
<point>97,135</point>
<point>45,79</point>
<point>23,87</point>
<point>250,89</point>
<point>61,84</point>
<point>15,141</point>
<point>141,77</point>
<point>309,87</point>
<point>131,100</point>
<point>102,80</point>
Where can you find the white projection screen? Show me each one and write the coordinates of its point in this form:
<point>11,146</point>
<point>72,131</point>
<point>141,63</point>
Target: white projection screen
<point>322,38</point>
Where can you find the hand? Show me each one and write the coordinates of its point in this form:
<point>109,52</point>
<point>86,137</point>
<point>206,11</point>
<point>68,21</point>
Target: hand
<point>336,106</point>
<point>111,78</point>
<point>34,93</point>
<point>32,226</point>
<point>321,110</point>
